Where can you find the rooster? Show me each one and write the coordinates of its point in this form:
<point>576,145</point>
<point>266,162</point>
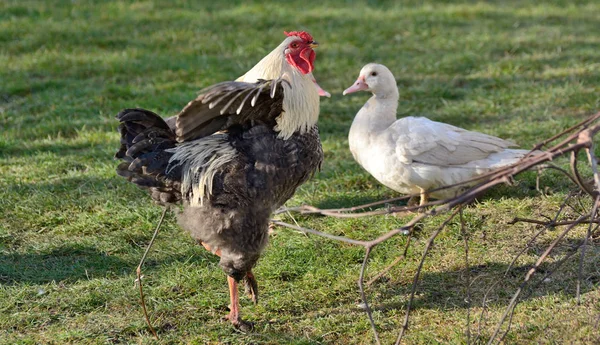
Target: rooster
<point>232,156</point>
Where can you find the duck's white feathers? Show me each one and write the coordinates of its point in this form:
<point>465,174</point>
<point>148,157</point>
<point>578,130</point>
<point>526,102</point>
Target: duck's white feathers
<point>418,139</point>
<point>415,154</point>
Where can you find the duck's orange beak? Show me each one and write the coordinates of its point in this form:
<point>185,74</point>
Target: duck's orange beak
<point>359,85</point>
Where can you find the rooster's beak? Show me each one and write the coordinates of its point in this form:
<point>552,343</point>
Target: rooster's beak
<point>313,44</point>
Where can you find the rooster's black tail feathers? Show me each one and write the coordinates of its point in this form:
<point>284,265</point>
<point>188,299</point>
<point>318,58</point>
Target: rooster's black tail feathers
<point>144,138</point>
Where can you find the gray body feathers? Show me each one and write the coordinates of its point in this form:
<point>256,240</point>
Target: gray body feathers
<point>246,190</point>
<point>223,160</point>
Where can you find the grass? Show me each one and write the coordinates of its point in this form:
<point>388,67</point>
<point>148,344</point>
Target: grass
<point>72,232</point>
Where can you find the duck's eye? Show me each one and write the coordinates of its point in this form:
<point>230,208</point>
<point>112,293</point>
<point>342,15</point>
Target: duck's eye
<point>374,74</point>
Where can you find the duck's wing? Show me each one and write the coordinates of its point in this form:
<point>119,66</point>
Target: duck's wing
<point>421,140</point>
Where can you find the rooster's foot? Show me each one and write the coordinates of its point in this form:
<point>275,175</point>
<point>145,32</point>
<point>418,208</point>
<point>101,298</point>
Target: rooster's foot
<point>238,323</point>
<point>251,287</point>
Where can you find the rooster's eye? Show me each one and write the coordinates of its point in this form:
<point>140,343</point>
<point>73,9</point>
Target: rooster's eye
<point>374,74</point>
<point>294,45</point>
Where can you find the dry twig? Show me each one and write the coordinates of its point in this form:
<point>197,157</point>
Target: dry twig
<point>138,272</point>
<point>570,142</point>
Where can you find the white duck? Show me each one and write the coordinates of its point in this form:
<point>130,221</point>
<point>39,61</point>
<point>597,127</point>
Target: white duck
<point>413,155</point>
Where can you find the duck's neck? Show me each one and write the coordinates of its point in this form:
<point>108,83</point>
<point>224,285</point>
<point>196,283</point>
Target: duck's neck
<point>377,114</point>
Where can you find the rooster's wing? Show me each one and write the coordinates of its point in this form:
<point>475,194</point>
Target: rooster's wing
<point>223,105</point>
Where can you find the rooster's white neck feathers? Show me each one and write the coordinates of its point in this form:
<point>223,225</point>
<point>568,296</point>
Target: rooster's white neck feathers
<point>301,101</point>
<point>202,158</point>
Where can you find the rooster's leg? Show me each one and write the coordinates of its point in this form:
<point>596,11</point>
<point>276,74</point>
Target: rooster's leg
<point>250,284</point>
<point>251,287</point>
<point>234,307</point>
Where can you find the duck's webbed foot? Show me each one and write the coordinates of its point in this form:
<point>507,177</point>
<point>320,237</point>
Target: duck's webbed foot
<point>420,200</point>
<point>412,201</point>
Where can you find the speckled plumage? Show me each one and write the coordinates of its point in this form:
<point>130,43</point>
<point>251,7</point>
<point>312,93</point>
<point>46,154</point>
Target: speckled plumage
<point>232,156</point>
<point>261,172</point>
<point>247,190</point>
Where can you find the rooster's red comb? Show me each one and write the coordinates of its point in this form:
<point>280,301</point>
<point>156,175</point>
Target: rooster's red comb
<point>302,34</point>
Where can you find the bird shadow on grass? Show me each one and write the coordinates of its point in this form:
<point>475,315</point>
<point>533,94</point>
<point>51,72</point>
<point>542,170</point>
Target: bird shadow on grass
<point>69,203</point>
<point>491,288</point>
<point>70,263</point>
<point>491,283</point>
<point>525,187</point>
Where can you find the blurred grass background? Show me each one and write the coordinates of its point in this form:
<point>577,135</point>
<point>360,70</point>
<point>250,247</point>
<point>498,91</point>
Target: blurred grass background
<point>72,232</point>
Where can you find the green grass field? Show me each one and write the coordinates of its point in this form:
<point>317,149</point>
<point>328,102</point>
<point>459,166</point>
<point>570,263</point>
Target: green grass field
<point>72,232</point>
